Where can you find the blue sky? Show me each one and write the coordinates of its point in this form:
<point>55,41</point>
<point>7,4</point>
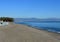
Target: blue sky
<point>30,8</point>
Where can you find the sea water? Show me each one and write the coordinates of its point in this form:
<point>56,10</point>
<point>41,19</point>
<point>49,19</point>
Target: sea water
<point>49,26</point>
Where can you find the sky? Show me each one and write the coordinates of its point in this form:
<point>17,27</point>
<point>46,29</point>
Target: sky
<point>30,8</point>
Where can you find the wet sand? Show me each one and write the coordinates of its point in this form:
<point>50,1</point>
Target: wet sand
<point>22,33</point>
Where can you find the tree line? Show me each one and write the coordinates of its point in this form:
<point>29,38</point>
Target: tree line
<point>6,19</point>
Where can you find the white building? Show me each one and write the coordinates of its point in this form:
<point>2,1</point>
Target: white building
<point>3,23</point>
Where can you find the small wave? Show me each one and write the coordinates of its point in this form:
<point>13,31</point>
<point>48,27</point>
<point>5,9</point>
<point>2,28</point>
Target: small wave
<point>54,31</point>
<point>58,32</point>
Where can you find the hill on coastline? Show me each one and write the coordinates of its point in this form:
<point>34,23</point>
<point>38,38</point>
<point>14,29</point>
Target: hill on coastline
<point>37,20</point>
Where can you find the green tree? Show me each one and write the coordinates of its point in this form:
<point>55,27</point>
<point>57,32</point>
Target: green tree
<point>6,19</point>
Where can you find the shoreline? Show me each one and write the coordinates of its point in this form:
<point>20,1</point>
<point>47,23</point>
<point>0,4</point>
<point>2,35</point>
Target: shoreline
<point>46,31</point>
<point>22,33</point>
<point>41,29</point>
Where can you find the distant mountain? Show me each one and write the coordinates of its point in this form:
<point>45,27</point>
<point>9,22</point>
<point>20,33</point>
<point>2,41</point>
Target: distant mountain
<point>36,19</point>
<point>26,19</point>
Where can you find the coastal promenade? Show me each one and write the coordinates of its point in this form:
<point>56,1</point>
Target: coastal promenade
<point>22,33</point>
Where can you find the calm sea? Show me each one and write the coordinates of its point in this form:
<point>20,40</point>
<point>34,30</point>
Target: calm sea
<point>49,26</point>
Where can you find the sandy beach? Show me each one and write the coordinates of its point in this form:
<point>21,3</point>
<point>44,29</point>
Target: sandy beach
<point>22,33</point>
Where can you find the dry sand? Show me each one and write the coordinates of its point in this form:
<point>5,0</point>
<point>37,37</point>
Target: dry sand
<point>22,33</point>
